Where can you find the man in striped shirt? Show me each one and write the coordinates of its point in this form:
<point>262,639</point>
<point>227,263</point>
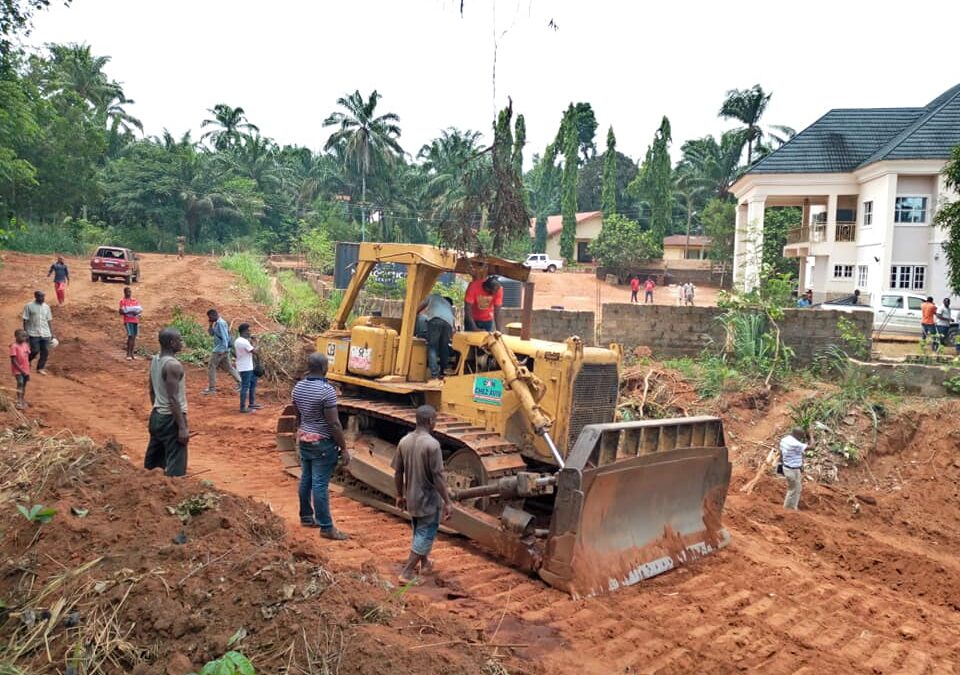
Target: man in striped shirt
<point>321,442</point>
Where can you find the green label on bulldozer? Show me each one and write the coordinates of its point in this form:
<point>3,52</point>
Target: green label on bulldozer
<point>488,390</point>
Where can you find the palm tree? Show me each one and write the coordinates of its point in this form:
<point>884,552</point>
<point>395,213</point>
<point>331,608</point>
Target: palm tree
<point>747,106</point>
<point>364,138</point>
<point>75,70</point>
<point>713,165</point>
<point>231,123</point>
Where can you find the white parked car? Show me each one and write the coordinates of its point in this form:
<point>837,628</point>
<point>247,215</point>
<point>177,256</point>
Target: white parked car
<point>896,312</point>
<point>543,262</point>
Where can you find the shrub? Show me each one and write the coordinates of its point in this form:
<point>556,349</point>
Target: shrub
<point>250,269</point>
<point>197,342</point>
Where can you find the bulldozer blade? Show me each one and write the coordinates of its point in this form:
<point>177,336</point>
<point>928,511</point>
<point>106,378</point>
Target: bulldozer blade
<point>651,506</point>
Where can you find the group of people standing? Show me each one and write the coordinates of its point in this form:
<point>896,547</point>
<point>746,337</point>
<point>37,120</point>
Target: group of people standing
<point>686,292</point>
<point>935,323</point>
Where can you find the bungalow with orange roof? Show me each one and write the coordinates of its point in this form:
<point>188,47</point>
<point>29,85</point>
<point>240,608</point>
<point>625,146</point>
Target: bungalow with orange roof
<point>589,224</point>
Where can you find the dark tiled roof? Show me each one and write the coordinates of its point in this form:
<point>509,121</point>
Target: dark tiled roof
<point>845,139</point>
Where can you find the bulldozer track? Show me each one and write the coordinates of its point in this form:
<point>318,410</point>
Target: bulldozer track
<point>450,428</point>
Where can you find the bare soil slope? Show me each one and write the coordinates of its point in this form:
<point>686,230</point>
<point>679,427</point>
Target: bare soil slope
<point>862,579</point>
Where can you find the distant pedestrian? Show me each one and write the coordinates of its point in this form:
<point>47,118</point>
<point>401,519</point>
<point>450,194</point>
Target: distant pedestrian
<point>440,322</point>
<point>220,331</point>
<point>648,287</point>
<point>61,277</point>
<point>856,296</point>
<point>38,322</point>
<point>130,310</point>
<point>321,442</point>
<point>169,434</point>
<point>421,490</point>
<point>928,321</point>
<point>689,291</point>
<point>792,448</point>
<point>634,287</point>
<point>944,319</point>
<point>181,245</point>
<point>20,364</point>
<point>679,294</point>
<point>245,346</point>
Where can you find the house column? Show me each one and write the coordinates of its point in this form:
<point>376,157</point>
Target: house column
<point>739,244</point>
<point>883,218</point>
<point>831,217</point>
<point>753,244</point>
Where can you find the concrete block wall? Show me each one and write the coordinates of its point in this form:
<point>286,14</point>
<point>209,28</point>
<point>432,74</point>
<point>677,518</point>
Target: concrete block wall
<point>557,324</point>
<point>673,332</point>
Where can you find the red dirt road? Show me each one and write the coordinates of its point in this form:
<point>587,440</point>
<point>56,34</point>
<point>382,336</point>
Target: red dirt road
<point>825,590</point>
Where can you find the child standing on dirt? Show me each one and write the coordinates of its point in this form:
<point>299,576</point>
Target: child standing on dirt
<point>792,447</point>
<point>130,310</point>
<point>20,364</point>
<point>634,288</point>
<point>648,287</point>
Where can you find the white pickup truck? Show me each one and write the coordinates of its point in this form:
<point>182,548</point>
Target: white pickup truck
<point>543,262</point>
<point>897,312</point>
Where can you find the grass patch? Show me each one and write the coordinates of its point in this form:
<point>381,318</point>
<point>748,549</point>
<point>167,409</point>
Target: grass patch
<point>250,268</point>
<point>197,344</point>
<point>299,307</point>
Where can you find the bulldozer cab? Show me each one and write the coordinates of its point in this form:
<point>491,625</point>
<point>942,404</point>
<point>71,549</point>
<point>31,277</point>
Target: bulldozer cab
<point>386,349</point>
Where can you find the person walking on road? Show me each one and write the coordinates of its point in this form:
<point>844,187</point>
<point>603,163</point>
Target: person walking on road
<point>130,310</point>
<point>245,346</point>
<point>928,322</point>
<point>440,322</point>
<point>688,293</point>
<point>169,434</point>
<point>61,277</point>
<point>20,364</point>
<point>421,490</point>
<point>792,448</point>
<point>322,444</point>
<point>648,287</point>
<point>220,331</point>
<point>38,322</point>
<point>634,288</point>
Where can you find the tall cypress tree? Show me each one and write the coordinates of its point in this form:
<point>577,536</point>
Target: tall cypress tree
<point>568,199</point>
<point>608,190</point>
<point>654,183</point>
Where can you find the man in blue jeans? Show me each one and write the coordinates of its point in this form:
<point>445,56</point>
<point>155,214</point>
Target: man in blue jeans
<point>421,490</point>
<point>440,321</point>
<point>220,355</point>
<point>322,444</point>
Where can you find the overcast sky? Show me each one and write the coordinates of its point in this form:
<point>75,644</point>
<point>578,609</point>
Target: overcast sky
<point>287,61</point>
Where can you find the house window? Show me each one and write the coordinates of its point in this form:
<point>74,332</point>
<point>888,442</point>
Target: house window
<point>867,214</point>
<point>862,271</point>
<point>910,210</point>
<point>908,277</point>
<point>843,271</point>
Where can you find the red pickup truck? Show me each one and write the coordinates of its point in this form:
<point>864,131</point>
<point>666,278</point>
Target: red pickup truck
<point>116,262</point>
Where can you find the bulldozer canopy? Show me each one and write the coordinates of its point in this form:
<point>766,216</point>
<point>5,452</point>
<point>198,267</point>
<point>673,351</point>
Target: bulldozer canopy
<point>443,259</point>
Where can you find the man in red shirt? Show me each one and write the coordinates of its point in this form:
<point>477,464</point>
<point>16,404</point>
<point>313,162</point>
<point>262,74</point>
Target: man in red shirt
<point>481,305</point>
<point>130,310</point>
<point>648,291</point>
<point>634,288</point>
<point>20,365</point>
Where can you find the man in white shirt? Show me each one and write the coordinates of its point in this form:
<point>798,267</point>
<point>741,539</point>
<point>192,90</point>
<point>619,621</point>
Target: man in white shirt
<point>245,347</point>
<point>792,448</point>
<point>38,322</point>
<point>944,318</point>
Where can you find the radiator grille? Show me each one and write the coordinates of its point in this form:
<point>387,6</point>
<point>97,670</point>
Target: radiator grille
<point>594,398</point>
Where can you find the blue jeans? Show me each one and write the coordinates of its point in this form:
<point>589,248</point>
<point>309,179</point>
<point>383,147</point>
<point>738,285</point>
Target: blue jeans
<point>248,389</point>
<point>317,462</point>
<point>424,532</point>
<point>438,345</point>
<point>484,325</point>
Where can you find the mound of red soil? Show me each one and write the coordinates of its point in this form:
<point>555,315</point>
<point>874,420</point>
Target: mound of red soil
<point>117,578</point>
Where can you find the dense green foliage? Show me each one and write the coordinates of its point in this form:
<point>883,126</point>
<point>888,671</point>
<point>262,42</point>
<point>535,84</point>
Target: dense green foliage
<point>948,217</point>
<point>719,223</point>
<point>654,184</point>
<point>777,222</point>
<point>608,190</point>
<point>623,245</point>
<point>568,195</point>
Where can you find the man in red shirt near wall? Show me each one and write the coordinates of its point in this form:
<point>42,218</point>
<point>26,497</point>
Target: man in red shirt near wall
<point>481,305</point>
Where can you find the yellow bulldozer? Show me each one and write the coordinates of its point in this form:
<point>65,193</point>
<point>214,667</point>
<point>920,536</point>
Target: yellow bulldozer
<point>541,473</point>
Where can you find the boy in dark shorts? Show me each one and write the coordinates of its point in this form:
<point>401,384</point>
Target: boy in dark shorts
<point>20,364</point>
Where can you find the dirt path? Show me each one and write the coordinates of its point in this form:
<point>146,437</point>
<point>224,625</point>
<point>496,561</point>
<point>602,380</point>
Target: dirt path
<point>824,590</point>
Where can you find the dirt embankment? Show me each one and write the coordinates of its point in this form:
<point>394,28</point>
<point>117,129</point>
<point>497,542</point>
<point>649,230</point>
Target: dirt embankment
<point>862,579</point>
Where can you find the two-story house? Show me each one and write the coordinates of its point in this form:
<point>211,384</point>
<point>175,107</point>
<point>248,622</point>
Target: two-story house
<point>869,183</point>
